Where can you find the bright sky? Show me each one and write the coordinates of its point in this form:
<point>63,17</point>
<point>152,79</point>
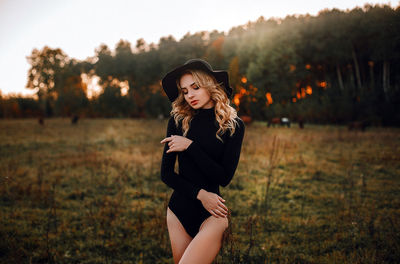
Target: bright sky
<point>80,26</point>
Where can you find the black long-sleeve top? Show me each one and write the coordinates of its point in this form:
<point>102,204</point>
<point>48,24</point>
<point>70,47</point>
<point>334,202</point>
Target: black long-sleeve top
<point>207,162</point>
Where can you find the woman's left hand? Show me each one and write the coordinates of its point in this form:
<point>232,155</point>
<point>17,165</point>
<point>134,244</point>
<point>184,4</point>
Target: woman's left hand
<point>177,143</point>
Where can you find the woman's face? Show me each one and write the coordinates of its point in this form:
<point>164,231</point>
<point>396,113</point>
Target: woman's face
<point>197,97</point>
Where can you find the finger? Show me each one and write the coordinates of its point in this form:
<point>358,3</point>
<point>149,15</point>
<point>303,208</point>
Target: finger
<point>225,213</point>
<point>223,206</point>
<point>213,213</point>
<point>221,199</point>
<point>170,150</point>
<point>223,209</point>
<point>219,213</point>
<point>166,139</point>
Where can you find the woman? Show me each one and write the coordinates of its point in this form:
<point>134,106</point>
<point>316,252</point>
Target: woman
<point>206,134</point>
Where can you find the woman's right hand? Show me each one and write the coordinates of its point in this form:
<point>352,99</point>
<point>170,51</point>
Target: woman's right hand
<point>213,203</point>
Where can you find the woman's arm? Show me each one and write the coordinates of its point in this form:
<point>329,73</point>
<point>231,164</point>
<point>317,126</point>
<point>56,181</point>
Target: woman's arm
<point>223,172</point>
<point>168,175</point>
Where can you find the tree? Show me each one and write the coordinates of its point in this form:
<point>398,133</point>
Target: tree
<point>71,91</point>
<point>111,103</point>
<point>104,66</point>
<point>42,75</point>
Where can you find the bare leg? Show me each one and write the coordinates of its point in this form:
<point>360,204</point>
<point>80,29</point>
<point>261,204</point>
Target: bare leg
<point>207,243</point>
<point>178,236</point>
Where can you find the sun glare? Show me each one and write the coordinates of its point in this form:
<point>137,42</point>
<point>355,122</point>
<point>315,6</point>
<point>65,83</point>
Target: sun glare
<point>92,82</point>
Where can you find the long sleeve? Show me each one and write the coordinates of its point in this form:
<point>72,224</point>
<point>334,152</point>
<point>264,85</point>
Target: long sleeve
<point>168,175</point>
<point>221,173</point>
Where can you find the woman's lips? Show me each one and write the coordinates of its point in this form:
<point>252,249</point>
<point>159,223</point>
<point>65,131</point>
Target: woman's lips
<point>194,102</point>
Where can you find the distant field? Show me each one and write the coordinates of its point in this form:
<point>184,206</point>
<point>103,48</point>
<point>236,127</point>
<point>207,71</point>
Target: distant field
<point>91,193</point>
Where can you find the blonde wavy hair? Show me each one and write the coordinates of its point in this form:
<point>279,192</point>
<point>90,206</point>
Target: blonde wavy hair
<point>224,113</point>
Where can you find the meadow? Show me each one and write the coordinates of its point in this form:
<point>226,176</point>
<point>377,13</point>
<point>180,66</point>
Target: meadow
<point>91,193</point>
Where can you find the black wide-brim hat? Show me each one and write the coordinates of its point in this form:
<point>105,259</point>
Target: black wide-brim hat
<point>169,80</point>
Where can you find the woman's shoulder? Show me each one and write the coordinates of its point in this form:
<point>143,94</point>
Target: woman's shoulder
<point>172,123</point>
<point>239,123</point>
<point>239,129</point>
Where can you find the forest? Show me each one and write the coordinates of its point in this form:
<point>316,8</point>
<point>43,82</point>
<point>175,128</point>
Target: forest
<point>332,68</point>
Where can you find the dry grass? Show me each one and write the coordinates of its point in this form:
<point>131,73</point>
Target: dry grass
<point>91,193</point>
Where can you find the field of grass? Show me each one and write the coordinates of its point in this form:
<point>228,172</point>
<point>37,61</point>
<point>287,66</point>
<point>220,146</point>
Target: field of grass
<point>92,193</point>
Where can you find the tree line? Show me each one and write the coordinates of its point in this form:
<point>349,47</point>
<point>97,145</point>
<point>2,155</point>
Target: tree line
<point>335,67</point>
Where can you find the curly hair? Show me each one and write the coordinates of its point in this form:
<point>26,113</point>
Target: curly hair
<point>225,114</point>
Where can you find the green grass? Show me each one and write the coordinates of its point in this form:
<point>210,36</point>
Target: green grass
<point>92,193</point>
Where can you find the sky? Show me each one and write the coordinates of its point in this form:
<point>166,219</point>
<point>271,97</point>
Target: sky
<point>78,27</point>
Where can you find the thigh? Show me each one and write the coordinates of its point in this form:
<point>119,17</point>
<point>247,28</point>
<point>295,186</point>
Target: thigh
<point>214,224</point>
<point>178,236</point>
<point>207,243</point>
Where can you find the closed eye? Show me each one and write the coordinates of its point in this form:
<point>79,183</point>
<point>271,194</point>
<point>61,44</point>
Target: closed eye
<point>194,87</point>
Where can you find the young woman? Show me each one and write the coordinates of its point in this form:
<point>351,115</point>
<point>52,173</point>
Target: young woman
<point>206,134</point>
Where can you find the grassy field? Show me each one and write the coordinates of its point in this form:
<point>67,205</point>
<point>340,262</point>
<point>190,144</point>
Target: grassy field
<point>92,193</point>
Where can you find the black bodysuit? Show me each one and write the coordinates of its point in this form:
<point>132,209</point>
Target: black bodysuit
<point>205,164</point>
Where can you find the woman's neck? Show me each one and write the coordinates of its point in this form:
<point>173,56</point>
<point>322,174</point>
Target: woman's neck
<point>209,104</point>
<point>205,111</point>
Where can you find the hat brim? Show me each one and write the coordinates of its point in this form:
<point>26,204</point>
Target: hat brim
<point>169,81</point>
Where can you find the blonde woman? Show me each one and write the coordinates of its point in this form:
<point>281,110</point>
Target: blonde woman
<point>206,134</point>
